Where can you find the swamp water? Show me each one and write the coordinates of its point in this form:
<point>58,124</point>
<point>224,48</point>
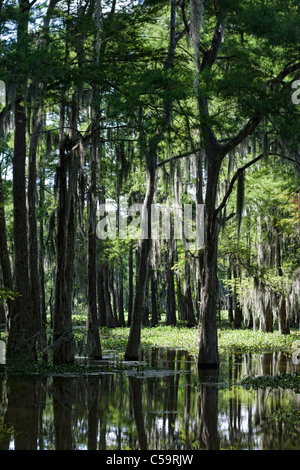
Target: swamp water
<point>166,406</point>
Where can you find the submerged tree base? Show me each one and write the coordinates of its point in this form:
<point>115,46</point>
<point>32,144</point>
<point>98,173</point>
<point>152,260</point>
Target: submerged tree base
<point>206,365</point>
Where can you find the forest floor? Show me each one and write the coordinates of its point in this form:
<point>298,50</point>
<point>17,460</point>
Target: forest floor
<point>180,337</point>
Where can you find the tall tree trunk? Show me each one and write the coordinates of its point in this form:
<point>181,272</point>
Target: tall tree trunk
<point>33,240</point>
<point>132,349</point>
<point>208,356</point>
<point>110,319</point>
<point>121,300</point>
<point>266,317</point>
<point>19,341</point>
<point>133,344</point>
<point>191,320</point>
<point>171,303</point>
<point>4,257</point>
<point>154,306</point>
<point>145,316</point>
<point>265,320</point>
<point>283,323</point>
<point>181,299</point>
<point>63,340</point>
<point>130,287</point>
<point>238,309</point>
<point>229,297</point>
<point>42,258</point>
<point>93,337</point>
<point>21,322</point>
<point>101,296</point>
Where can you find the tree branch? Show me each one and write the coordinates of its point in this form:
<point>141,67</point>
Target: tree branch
<point>210,56</point>
<point>176,157</point>
<point>254,122</point>
<point>241,170</point>
<point>241,136</point>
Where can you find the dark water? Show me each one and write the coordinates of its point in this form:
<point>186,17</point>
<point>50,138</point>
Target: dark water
<point>170,408</point>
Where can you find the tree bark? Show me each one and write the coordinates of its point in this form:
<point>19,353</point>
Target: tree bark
<point>33,240</point>
<point>154,312</point>
<point>130,287</point>
<point>110,319</point>
<point>19,342</point>
<point>283,323</point>
<point>4,257</point>
<point>121,321</point>
<point>42,258</point>
<point>238,310</point>
<point>101,297</point>
<point>229,297</point>
<point>63,340</point>
<point>191,320</point>
<point>171,303</point>
<point>93,336</point>
<point>208,356</point>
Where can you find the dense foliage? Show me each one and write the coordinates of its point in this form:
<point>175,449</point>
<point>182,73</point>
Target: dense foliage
<point>141,103</point>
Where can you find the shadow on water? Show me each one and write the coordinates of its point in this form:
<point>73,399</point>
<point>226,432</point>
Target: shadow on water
<point>167,405</point>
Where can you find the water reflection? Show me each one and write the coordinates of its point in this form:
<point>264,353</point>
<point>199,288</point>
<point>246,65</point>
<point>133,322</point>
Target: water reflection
<point>167,407</point>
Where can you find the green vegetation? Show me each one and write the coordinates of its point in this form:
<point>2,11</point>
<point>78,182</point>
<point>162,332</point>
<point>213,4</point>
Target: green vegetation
<point>284,381</point>
<point>138,103</point>
<point>230,341</point>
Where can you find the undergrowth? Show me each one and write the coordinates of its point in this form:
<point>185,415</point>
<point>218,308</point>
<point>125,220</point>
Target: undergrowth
<point>229,340</point>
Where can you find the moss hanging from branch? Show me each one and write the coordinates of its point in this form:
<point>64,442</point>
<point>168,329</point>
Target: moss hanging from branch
<point>240,200</point>
<point>197,14</point>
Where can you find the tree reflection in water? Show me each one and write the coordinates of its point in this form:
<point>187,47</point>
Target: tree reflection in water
<point>168,406</point>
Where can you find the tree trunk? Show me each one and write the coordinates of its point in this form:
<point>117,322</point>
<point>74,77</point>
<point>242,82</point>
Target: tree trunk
<point>191,320</point>
<point>41,259</point>
<point>19,340</point>
<point>145,316</point>
<point>33,240</point>
<point>208,346</point>
<point>20,332</point>
<point>63,340</point>
<point>4,257</point>
<point>130,287</point>
<point>133,345</point>
<point>229,297</point>
<point>132,350</point>
<point>93,337</point>
<point>110,320</point>
<point>283,323</point>
<point>266,317</point>
<point>171,304</point>
<point>154,312</point>
<point>101,297</point>
<point>182,314</point>
<point>238,310</point>
<point>121,321</point>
